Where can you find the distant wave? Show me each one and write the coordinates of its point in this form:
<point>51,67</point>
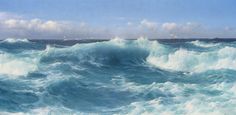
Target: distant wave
<point>203,44</point>
<point>14,40</point>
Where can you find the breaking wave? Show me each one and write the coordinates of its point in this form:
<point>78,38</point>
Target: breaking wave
<point>192,61</point>
<point>15,65</point>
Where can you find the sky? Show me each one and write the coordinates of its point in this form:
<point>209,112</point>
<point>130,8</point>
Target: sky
<point>104,19</point>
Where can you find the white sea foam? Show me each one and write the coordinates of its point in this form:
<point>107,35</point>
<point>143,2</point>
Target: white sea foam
<point>197,103</point>
<point>191,107</point>
<point>44,111</point>
<point>192,61</point>
<point>16,66</point>
<point>50,111</point>
<point>118,41</point>
<point>120,83</point>
<point>203,44</point>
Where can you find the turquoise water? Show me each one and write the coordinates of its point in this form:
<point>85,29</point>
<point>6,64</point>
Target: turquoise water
<point>133,77</point>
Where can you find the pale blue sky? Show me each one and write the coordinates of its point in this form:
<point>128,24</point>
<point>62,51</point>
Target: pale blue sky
<point>110,13</point>
<point>212,12</point>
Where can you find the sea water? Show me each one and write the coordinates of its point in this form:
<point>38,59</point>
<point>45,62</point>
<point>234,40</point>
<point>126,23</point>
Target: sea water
<point>133,77</point>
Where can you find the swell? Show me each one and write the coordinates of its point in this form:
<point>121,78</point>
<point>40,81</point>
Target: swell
<point>118,52</point>
<point>143,51</point>
<point>102,53</point>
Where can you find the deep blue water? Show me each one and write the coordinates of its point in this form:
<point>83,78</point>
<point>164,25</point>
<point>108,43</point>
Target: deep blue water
<point>166,77</point>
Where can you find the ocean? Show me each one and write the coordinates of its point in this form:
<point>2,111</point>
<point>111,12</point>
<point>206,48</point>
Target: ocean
<point>120,77</point>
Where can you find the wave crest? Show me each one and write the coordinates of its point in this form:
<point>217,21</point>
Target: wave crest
<point>192,61</point>
<point>203,44</point>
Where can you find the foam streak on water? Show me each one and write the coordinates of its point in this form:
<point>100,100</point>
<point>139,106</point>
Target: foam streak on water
<point>118,77</point>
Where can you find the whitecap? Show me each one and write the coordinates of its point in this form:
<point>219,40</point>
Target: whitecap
<point>192,61</point>
<point>204,44</point>
<point>16,66</point>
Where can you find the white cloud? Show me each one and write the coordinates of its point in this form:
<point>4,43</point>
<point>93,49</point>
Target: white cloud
<point>185,30</point>
<point>169,26</point>
<point>148,24</point>
<point>12,21</point>
<point>10,26</point>
<point>6,15</point>
<point>129,23</point>
<point>227,28</point>
<point>35,24</point>
<point>16,26</point>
